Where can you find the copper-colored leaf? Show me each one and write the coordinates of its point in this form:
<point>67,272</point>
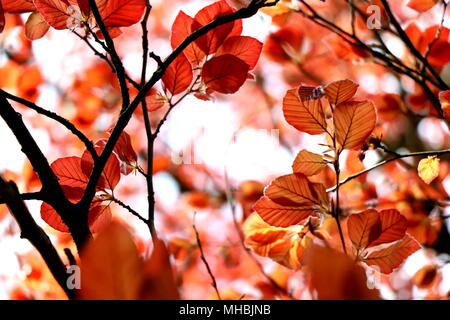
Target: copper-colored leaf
<point>281,216</point>
<point>428,169</point>
<point>36,27</point>
<point>225,74</point>
<point>308,163</point>
<point>178,76</point>
<point>111,268</point>
<point>306,116</point>
<point>340,91</point>
<point>17,6</point>
<point>393,227</point>
<point>295,190</point>
<point>364,228</point>
<point>159,282</point>
<point>121,13</point>
<point>392,257</point>
<point>111,173</point>
<point>335,276</point>
<point>354,122</point>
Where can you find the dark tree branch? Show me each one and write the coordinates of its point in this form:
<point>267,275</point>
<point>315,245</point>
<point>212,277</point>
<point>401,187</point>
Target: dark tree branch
<point>49,114</point>
<point>31,231</point>
<point>51,190</point>
<point>131,210</point>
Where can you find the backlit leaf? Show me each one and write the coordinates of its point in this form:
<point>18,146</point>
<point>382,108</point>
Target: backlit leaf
<point>393,227</point>
<point>340,91</point>
<point>36,27</point>
<point>428,169</point>
<point>422,5</point>
<point>181,28</point>
<point>281,216</point>
<point>17,6</point>
<point>364,228</point>
<point>392,257</point>
<point>69,172</point>
<point>294,190</point>
<point>247,49</point>
<point>111,173</point>
<point>55,12</point>
<point>354,122</point>
<point>308,163</point>
<point>306,116</point>
<point>225,74</point>
<point>121,13</point>
<point>111,268</point>
<point>178,76</point>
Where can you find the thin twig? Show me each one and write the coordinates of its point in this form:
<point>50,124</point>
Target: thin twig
<point>205,262</point>
<point>131,210</point>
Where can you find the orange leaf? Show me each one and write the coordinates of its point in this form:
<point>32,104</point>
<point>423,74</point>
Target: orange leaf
<point>295,189</point>
<point>444,98</point>
<point>422,5</point>
<point>178,75</point>
<point>159,282</point>
<point>306,116</point>
<point>181,28</point>
<point>225,74</point>
<point>428,169</point>
<point>364,228</point>
<point>340,91</point>
<point>247,49</point>
<point>111,268</point>
<point>393,227</point>
<point>281,216</point>
<point>335,276</point>
<point>392,257</point>
<point>55,12</point>
<point>35,27</point>
<point>308,163</point>
<point>354,122</point>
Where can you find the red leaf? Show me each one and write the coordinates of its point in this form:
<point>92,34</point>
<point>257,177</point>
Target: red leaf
<point>225,74</point>
<point>52,218</point>
<point>121,13</point>
<point>211,41</point>
<point>55,12</point>
<point>392,257</point>
<point>364,228</point>
<point>17,6</point>
<point>99,217</point>
<point>247,49</point>
<point>281,216</point>
<point>178,75</point>
<point>36,27</point>
<point>2,18</point>
<point>69,172</point>
<point>125,152</point>
<point>84,7</point>
<point>181,28</point>
<point>393,227</point>
<point>111,173</point>
<point>422,5</point>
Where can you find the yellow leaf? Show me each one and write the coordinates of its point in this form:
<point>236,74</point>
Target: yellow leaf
<point>428,169</point>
